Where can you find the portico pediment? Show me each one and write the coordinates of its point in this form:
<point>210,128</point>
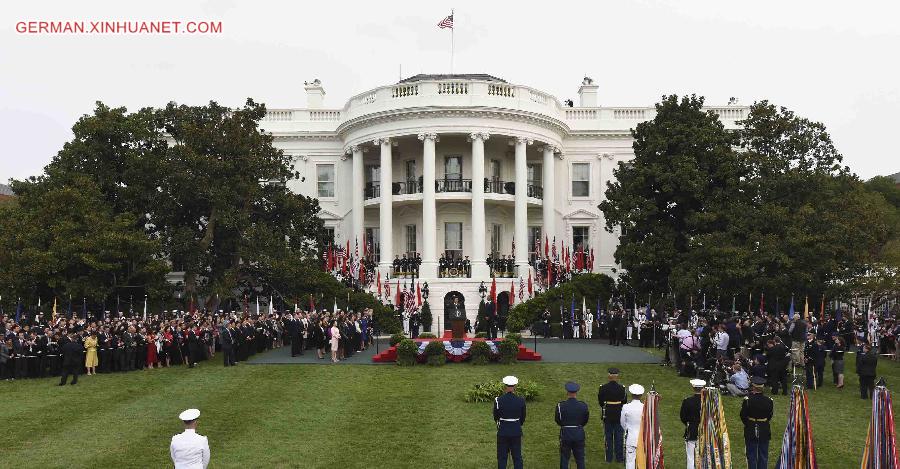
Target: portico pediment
<point>581,214</point>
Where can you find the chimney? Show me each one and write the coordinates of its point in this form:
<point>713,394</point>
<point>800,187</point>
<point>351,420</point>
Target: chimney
<point>587,93</point>
<point>315,94</point>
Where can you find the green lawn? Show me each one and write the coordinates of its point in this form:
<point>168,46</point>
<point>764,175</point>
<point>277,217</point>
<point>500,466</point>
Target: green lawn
<point>314,416</point>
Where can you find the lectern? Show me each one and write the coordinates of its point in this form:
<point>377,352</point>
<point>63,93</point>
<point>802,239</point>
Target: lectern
<point>458,321</point>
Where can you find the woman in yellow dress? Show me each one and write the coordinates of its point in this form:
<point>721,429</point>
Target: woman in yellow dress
<point>90,361</point>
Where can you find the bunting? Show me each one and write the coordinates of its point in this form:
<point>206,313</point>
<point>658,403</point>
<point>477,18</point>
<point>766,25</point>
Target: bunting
<point>649,453</point>
<point>881,446</point>
<point>797,449</point>
<point>713,447</point>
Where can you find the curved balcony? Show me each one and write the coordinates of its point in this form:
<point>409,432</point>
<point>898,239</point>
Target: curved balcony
<point>373,189</point>
<point>453,185</point>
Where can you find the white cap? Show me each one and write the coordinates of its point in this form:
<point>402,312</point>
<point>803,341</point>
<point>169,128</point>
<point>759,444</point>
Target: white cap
<point>698,383</point>
<point>636,389</point>
<point>190,414</point>
<point>510,380</point>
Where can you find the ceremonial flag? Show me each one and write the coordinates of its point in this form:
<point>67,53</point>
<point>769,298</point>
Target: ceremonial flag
<point>446,22</point>
<point>514,249</point>
<point>797,449</point>
<point>713,446</point>
<point>881,445</point>
<point>572,311</point>
<point>378,282</point>
<point>546,247</point>
<point>399,299</point>
<point>530,285</point>
<point>53,316</point>
<point>649,454</point>
<point>822,307</point>
<point>522,286</point>
<point>418,294</point>
<point>145,308</point>
<point>762,303</point>
<point>387,289</point>
<point>494,291</point>
<point>791,309</point>
<point>271,305</point>
<point>257,304</point>
<point>18,311</point>
<point>806,308</point>
<point>591,266</point>
<point>583,307</point>
<point>512,292</point>
<point>647,313</point>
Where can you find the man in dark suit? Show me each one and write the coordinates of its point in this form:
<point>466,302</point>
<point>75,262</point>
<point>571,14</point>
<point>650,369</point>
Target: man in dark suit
<point>293,329</point>
<point>226,337</point>
<point>509,413</point>
<point>571,416</point>
<point>73,360</point>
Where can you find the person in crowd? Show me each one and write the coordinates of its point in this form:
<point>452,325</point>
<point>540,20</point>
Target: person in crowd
<point>777,357</point>
<point>509,414</point>
<point>335,335</point>
<point>631,422</point>
<point>756,412</point>
<point>738,382</point>
<point>611,397</point>
<point>837,361</point>
<point>189,449</point>
<point>866,364</point>
<point>72,352</point>
<point>690,417</point>
<point>90,359</point>
<point>571,416</point>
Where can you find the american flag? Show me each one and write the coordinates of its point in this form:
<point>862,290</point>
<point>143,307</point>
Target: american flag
<point>446,22</point>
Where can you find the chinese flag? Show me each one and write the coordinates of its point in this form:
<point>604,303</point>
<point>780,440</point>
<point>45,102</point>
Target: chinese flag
<point>512,292</point>
<point>378,283</point>
<point>399,299</point>
<point>494,290</point>
<point>546,247</point>
<point>530,285</point>
<point>418,294</point>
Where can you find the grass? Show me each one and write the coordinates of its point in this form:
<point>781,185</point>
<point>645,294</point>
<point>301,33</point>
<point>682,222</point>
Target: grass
<point>319,416</point>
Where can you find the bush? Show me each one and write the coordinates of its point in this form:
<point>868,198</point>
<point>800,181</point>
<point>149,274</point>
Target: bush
<point>555,329</point>
<point>509,351</point>
<point>480,353</point>
<point>396,338</point>
<point>434,353</point>
<point>515,336</point>
<point>487,391</point>
<point>481,335</point>
<point>427,335</point>
<point>426,316</point>
<point>406,352</point>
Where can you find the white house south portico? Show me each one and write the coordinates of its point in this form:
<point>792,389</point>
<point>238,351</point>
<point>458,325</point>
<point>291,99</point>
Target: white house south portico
<point>459,169</point>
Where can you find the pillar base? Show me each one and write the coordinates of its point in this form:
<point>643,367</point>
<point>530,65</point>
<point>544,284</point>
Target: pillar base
<point>522,270</point>
<point>480,269</point>
<point>428,269</point>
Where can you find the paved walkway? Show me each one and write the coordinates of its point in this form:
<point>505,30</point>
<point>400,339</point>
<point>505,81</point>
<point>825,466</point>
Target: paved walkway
<point>552,351</point>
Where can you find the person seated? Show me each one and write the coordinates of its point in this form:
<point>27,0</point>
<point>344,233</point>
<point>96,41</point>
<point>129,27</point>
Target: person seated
<point>738,383</point>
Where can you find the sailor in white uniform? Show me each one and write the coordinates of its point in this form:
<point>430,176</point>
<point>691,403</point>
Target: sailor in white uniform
<point>631,423</point>
<point>189,449</point>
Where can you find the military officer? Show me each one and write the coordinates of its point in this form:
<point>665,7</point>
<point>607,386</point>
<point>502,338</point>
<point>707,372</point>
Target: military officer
<point>189,449</point>
<point>690,417</point>
<point>631,422</point>
<point>509,413</point>
<point>612,397</point>
<point>571,416</point>
<point>756,412</point>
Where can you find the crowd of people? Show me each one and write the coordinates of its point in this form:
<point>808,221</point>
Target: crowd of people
<point>35,346</point>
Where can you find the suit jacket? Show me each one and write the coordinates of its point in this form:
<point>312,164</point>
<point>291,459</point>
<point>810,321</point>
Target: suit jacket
<point>72,353</point>
<point>509,413</point>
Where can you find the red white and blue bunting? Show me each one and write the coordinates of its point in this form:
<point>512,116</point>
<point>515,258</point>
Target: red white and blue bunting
<point>456,350</point>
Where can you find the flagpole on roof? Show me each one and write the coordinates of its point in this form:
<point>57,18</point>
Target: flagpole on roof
<point>452,28</point>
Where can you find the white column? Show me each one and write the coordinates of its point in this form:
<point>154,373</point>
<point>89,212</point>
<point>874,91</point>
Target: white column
<point>521,233</point>
<point>479,266</point>
<point>386,219</point>
<point>357,211</point>
<point>429,265</point>
<point>549,206</point>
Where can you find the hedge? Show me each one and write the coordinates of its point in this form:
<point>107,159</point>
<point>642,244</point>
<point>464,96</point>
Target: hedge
<point>406,352</point>
<point>487,391</point>
<point>591,286</point>
<point>480,353</point>
<point>435,353</point>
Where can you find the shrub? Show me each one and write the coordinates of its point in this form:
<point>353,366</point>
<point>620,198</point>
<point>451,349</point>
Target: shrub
<point>434,353</point>
<point>487,391</point>
<point>555,329</point>
<point>396,338</point>
<point>515,336</point>
<point>426,316</point>
<point>480,353</point>
<point>509,351</point>
<point>406,352</point>
<point>427,335</point>
<point>481,335</point>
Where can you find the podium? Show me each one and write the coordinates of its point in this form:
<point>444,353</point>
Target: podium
<point>458,327</point>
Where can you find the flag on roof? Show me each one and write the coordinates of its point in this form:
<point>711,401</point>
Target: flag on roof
<point>446,22</point>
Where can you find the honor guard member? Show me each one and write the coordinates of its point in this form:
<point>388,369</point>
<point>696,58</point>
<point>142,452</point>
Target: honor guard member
<point>509,413</point>
<point>189,450</point>
<point>756,412</point>
<point>631,422</point>
<point>612,397</point>
<point>571,416</point>
<point>690,417</point>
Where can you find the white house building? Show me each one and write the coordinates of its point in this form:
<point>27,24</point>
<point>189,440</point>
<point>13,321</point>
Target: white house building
<point>400,165</point>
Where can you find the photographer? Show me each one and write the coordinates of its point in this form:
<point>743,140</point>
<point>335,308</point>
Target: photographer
<point>738,382</point>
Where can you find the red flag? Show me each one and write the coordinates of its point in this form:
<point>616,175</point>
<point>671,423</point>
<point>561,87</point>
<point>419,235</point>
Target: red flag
<point>530,285</point>
<point>512,291</point>
<point>399,299</point>
<point>591,267</point>
<point>546,247</point>
<point>418,294</point>
<point>549,273</point>
<point>362,274</point>
<point>378,283</point>
<point>312,304</point>
<point>494,290</point>
<point>365,248</point>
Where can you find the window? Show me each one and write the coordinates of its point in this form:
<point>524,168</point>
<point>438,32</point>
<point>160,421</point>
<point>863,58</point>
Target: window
<point>495,170</point>
<point>453,240</point>
<point>535,243</point>
<point>325,179</point>
<point>496,236</point>
<point>410,170</point>
<point>373,243</point>
<point>411,240</point>
<point>453,167</point>
<point>373,174</point>
<point>329,235</point>
<point>534,174</point>
<point>581,238</point>
<point>581,185</point>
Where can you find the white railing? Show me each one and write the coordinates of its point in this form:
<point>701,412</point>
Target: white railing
<point>505,91</point>
<point>453,87</point>
<point>729,112</point>
<point>574,114</point>
<point>629,114</point>
<point>538,97</point>
<point>402,91</point>
<point>279,116</point>
<point>324,115</point>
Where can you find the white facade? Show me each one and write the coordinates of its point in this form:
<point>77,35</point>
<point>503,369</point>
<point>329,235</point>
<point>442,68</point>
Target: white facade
<point>450,130</point>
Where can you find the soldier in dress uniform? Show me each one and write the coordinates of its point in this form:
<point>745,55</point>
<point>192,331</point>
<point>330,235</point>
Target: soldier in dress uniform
<point>189,449</point>
<point>571,416</point>
<point>690,417</point>
<point>631,422</point>
<point>396,264</point>
<point>509,413</point>
<point>612,397</point>
<point>467,266</point>
<point>756,412</point>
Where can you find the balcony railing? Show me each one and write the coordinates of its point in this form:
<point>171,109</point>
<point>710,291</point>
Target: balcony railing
<point>496,186</point>
<point>408,187</point>
<point>373,190</point>
<point>453,185</point>
<point>535,191</point>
